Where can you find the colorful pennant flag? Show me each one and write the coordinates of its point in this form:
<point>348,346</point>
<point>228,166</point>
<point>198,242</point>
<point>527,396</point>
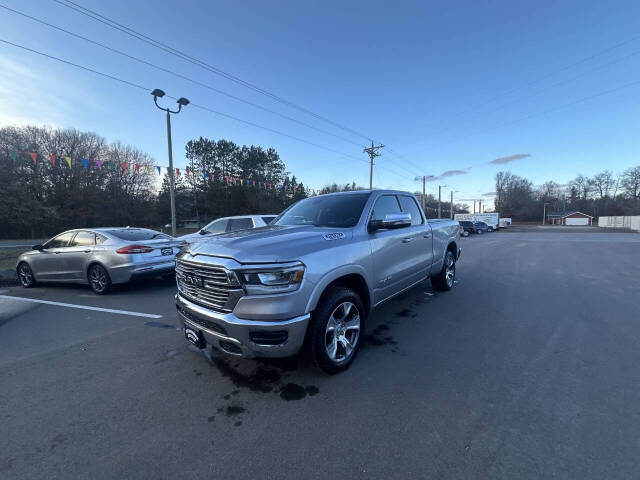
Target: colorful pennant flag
<point>52,157</point>
<point>85,163</point>
<point>124,166</point>
<point>137,168</point>
<point>158,170</point>
<point>33,156</point>
<point>68,160</point>
<point>147,169</point>
<point>99,164</point>
<point>13,154</point>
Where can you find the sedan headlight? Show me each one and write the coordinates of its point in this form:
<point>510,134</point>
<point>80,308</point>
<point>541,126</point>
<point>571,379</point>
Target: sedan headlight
<point>271,279</point>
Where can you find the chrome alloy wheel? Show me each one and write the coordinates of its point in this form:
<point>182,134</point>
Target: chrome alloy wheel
<point>26,275</point>
<point>450,271</point>
<point>343,332</point>
<point>98,278</point>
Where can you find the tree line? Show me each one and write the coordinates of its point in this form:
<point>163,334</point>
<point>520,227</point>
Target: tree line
<point>42,197</point>
<point>603,194</point>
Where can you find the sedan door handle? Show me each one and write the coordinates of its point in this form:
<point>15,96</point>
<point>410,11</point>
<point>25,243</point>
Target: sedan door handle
<point>426,235</point>
<point>87,251</point>
<point>407,239</point>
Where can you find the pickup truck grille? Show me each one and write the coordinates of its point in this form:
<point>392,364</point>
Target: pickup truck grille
<point>207,285</point>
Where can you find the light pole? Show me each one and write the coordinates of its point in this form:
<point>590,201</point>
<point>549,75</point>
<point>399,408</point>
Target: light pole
<point>182,102</point>
<point>544,211</point>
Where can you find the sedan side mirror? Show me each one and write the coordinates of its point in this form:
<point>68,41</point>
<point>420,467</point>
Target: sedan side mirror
<point>391,221</point>
<point>38,247</point>
<point>202,232</point>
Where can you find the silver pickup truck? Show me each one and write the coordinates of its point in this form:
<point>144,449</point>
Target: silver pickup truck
<point>312,276</point>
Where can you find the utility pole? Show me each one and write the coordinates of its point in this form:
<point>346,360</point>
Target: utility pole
<point>474,206</point>
<point>451,205</point>
<point>423,178</point>
<point>439,199</point>
<point>372,152</point>
<point>544,212</point>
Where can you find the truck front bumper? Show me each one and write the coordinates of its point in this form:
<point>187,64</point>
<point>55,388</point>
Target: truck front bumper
<point>243,338</point>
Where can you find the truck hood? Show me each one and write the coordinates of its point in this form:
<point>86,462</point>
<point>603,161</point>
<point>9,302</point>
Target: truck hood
<point>270,244</point>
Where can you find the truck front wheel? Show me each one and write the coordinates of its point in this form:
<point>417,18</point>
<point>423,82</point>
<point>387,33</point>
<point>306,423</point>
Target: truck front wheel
<point>336,329</point>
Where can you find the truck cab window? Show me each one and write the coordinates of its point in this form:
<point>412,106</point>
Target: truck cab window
<point>385,205</point>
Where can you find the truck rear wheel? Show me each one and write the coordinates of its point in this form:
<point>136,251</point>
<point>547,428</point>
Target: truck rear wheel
<point>336,329</point>
<point>445,279</point>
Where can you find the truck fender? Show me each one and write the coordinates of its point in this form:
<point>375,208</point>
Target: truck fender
<point>332,276</point>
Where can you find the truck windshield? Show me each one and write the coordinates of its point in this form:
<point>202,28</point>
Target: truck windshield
<point>342,210</point>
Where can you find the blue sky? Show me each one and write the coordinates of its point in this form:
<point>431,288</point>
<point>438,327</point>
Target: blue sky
<point>445,85</point>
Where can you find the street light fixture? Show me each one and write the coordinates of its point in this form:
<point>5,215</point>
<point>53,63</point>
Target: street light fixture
<point>182,102</point>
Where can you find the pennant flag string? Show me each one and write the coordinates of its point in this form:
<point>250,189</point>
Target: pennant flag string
<point>189,171</point>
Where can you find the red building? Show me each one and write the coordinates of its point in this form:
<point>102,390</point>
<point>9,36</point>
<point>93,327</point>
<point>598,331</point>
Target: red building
<point>569,218</point>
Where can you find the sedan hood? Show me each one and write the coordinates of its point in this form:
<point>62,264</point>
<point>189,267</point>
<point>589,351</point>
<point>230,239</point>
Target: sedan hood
<point>270,244</point>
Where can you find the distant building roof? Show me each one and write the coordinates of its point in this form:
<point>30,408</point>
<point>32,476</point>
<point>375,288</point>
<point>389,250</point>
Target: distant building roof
<point>565,214</point>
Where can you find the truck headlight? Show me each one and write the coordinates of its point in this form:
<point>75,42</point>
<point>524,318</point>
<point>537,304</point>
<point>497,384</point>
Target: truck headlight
<point>262,281</point>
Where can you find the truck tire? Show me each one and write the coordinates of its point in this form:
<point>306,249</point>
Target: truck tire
<point>444,281</point>
<point>336,329</point>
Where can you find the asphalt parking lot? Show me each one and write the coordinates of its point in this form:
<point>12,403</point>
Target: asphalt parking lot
<point>528,368</point>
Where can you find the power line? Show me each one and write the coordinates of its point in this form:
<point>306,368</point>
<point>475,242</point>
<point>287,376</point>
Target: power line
<point>547,111</point>
<point>557,84</point>
<point>162,46</point>
<point>184,77</point>
<point>543,77</point>
<point>142,87</point>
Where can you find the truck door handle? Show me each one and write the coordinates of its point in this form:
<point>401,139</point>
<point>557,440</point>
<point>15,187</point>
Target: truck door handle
<point>426,235</point>
<point>87,251</point>
<point>407,239</point>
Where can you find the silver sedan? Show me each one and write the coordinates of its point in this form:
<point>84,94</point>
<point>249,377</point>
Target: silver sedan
<point>99,257</point>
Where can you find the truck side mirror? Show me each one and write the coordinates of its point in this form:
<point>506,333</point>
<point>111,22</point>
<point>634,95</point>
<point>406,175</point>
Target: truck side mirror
<point>391,221</point>
<point>38,247</point>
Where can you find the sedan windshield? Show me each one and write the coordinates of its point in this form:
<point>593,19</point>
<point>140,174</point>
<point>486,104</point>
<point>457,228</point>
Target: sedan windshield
<point>325,211</point>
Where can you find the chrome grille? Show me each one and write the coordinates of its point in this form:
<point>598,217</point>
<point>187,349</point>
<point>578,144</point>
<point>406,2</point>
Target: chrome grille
<point>207,285</point>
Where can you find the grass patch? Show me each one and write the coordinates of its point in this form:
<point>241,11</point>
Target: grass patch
<point>9,256</point>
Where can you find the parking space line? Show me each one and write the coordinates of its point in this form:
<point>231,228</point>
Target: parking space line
<point>83,307</point>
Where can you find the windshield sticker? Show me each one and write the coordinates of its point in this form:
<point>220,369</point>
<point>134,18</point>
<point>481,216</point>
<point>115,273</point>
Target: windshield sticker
<point>333,236</point>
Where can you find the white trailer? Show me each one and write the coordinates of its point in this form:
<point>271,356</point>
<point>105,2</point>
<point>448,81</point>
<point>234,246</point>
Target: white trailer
<point>491,219</point>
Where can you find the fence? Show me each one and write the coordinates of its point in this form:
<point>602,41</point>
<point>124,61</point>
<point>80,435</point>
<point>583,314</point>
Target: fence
<point>632,223</point>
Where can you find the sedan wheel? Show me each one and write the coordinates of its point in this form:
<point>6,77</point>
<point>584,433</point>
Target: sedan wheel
<point>26,275</point>
<point>99,279</point>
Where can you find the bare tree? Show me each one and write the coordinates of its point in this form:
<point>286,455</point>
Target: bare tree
<point>630,183</point>
<point>603,183</point>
